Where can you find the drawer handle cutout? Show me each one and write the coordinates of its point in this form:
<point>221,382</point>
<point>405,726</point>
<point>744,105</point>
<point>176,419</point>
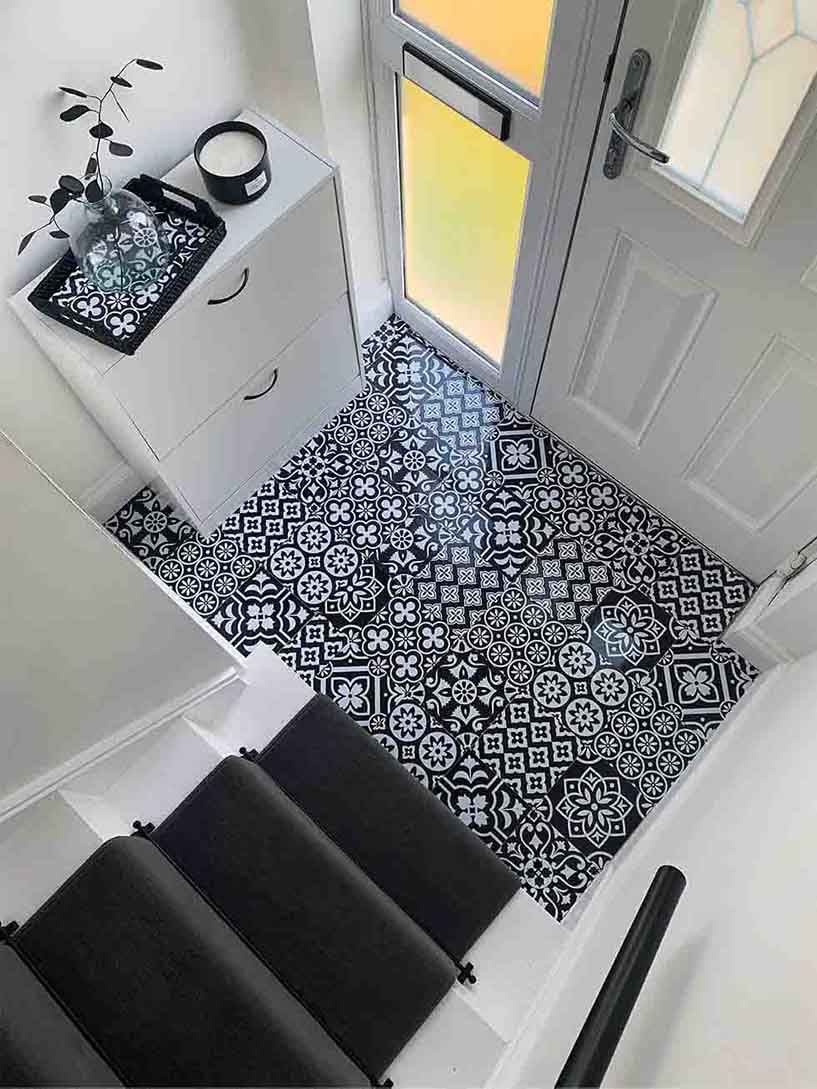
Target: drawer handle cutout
<point>245,279</point>
<point>264,392</point>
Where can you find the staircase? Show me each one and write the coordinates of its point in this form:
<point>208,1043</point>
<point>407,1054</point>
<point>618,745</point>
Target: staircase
<point>229,848</point>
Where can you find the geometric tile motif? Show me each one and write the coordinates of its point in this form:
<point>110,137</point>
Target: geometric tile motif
<point>571,585</point>
<point>528,750</point>
<point>443,569</point>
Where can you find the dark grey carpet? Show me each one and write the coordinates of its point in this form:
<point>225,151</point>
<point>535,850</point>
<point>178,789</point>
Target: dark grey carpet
<point>166,989</point>
<point>367,972</point>
<point>406,840</point>
<point>39,1043</point>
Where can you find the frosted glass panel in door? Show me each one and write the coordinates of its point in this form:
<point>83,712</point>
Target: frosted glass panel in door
<point>509,36</point>
<point>749,67</point>
<point>463,203</point>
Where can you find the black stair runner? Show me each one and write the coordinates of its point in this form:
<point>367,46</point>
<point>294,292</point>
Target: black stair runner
<point>355,960</point>
<point>166,990</point>
<point>39,1043</point>
<point>290,932</point>
<point>403,837</point>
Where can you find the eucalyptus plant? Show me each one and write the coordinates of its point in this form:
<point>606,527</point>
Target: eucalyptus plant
<point>88,189</point>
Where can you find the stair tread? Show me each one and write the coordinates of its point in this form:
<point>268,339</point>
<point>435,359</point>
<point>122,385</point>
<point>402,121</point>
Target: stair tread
<point>367,972</point>
<point>166,989</point>
<point>39,1043</point>
<point>394,828</point>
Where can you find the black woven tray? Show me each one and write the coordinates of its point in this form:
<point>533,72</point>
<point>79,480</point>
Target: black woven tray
<point>123,320</point>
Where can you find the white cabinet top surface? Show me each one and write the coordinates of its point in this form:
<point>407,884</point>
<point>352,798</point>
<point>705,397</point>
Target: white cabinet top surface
<point>295,173</point>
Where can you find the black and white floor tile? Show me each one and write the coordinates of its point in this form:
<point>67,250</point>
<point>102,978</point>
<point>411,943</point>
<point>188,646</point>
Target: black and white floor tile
<point>534,643</point>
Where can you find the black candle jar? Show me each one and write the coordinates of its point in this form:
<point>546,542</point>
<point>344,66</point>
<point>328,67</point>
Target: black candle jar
<point>226,157</point>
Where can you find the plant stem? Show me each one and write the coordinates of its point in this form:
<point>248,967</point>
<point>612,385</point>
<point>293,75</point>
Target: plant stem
<point>101,102</point>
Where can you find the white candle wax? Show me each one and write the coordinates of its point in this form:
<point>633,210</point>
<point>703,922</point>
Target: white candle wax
<point>231,153</point>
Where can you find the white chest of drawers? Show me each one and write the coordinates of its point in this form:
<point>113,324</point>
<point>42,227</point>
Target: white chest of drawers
<point>218,396</point>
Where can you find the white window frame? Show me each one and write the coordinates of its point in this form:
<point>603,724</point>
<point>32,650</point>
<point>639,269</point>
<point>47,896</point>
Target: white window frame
<point>556,135</point>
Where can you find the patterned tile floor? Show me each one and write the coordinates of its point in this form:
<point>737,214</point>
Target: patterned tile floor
<point>532,641</point>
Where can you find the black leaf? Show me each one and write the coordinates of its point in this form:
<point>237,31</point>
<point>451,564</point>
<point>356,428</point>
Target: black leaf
<point>59,199</point>
<point>120,82</point>
<point>24,241</point>
<point>73,112</point>
<point>93,191</point>
<point>101,131</point>
<point>153,65</point>
<point>91,167</point>
<point>58,234</point>
<point>38,199</point>
<point>71,184</point>
<point>74,91</point>
<point>119,149</point>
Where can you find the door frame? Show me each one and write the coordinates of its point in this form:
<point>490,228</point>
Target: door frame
<point>584,36</point>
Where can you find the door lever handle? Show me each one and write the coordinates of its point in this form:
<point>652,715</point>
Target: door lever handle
<point>622,119</point>
<point>649,150</point>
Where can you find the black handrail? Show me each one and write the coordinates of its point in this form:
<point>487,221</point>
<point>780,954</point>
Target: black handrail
<point>596,1043</point>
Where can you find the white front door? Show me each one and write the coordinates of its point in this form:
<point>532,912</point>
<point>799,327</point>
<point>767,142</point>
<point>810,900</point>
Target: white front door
<point>486,113</point>
<point>683,354</point>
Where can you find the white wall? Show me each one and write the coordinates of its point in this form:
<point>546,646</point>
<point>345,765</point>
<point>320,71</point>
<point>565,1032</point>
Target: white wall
<point>338,48</point>
<point>731,997</point>
<point>89,641</point>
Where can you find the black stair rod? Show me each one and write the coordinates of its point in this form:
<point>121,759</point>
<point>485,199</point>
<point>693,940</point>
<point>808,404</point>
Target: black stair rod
<point>597,1041</point>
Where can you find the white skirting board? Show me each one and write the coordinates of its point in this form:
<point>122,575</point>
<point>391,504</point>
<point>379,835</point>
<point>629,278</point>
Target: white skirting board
<point>374,306</point>
<point>108,494</point>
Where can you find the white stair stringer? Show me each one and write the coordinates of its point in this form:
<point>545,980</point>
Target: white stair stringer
<point>465,1040</point>
<point>250,712</point>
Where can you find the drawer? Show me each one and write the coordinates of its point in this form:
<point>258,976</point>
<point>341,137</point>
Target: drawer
<point>243,435</point>
<point>199,358</point>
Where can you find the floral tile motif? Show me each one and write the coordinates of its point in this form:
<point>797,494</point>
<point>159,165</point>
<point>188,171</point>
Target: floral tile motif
<point>530,640</point>
<point>262,610</point>
<point>628,630</point>
<point>510,632</point>
<point>420,743</point>
<point>149,528</point>
<point>518,452</point>
<point>704,679</point>
<point>465,693</point>
<point>575,685</point>
<point>480,799</point>
<point>327,573</point>
<point>507,532</point>
<point>594,808</point>
<point>553,871</point>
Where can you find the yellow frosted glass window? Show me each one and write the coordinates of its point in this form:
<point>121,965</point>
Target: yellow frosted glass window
<point>463,202</point>
<point>510,37</point>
